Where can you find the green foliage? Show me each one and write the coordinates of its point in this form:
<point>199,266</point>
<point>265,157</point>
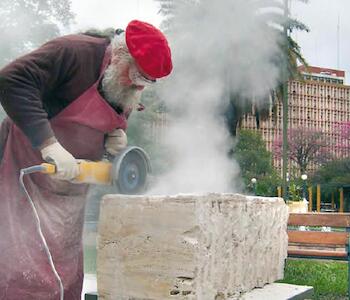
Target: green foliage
<point>256,162</point>
<point>25,24</point>
<point>295,192</point>
<point>334,173</point>
<point>267,185</point>
<point>141,127</point>
<point>328,278</point>
<point>140,121</point>
<point>252,154</point>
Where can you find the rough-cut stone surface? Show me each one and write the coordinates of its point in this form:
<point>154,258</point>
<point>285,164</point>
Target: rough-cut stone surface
<point>203,247</point>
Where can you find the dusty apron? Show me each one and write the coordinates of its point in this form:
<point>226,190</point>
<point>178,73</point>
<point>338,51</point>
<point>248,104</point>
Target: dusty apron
<point>25,272</point>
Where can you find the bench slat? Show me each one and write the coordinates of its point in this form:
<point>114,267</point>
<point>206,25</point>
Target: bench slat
<point>318,253</point>
<point>317,237</point>
<point>320,219</point>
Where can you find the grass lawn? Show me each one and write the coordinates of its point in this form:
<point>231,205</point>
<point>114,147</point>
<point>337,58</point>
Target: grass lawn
<point>329,278</point>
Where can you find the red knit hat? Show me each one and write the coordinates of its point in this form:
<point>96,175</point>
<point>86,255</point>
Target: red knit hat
<point>149,47</point>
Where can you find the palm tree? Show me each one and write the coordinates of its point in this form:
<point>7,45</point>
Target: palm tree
<point>290,52</point>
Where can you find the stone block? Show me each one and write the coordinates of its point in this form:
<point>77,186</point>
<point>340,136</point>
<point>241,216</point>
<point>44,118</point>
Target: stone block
<point>203,247</point>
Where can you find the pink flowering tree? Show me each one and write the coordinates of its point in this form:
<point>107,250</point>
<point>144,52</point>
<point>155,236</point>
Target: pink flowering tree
<point>306,146</point>
<point>343,130</point>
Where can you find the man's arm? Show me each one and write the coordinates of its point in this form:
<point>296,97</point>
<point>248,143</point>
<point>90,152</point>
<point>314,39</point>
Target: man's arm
<point>25,81</point>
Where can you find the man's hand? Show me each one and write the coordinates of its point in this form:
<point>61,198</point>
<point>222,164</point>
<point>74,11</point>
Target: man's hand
<point>116,141</point>
<point>66,166</point>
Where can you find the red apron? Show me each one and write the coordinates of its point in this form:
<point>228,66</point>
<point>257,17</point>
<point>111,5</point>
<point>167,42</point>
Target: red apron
<point>25,272</point>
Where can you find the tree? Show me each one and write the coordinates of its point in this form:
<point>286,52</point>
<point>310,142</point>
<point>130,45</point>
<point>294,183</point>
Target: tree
<point>306,146</point>
<point>25,24</point>
<point>290,52</point>
<point>343,129</point>
<point>333,174</point>
<point>255,162</point>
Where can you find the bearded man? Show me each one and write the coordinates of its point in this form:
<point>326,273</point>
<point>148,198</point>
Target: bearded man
<point>67,100</point>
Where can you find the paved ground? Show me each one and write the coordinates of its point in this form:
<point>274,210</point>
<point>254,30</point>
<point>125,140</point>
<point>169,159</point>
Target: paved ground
<point>274,291</point>
<point>89,284</point>
<point>280,291</point>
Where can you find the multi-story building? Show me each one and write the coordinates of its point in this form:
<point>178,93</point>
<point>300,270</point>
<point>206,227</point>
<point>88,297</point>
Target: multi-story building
<point>320,101</point>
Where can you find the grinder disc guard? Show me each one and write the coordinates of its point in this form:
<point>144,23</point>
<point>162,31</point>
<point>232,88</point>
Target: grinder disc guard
<point>130,170</point>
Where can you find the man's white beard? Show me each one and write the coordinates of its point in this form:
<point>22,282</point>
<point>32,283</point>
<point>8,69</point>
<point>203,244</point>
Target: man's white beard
<point>123,96</point>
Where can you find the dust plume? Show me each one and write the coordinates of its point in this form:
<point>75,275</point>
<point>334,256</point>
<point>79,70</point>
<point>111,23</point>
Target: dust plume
<point>220,48</point>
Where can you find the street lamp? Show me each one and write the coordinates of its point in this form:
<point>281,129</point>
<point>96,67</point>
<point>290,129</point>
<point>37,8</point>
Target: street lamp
<point>253,181</point>
<point>304,178</point>
<point>286,194</point>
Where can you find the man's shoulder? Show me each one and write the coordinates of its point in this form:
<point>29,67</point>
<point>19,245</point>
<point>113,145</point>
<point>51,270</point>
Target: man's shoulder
<point>81,41</point>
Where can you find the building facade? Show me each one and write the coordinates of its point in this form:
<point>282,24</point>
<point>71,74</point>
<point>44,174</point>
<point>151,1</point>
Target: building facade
<point>321,101</point>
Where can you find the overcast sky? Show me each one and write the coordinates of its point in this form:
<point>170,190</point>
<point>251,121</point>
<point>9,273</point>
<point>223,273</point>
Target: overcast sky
<point>113,13</point>
<point>319,46</point>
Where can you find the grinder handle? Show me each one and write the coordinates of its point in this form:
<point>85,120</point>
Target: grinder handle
<point>48,168</point>
<point>99,172</point>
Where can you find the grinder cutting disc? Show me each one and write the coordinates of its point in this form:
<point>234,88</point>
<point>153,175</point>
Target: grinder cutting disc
<point>130,170</point>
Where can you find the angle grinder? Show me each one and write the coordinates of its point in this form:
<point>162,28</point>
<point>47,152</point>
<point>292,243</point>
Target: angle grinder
<point>128,171</point>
